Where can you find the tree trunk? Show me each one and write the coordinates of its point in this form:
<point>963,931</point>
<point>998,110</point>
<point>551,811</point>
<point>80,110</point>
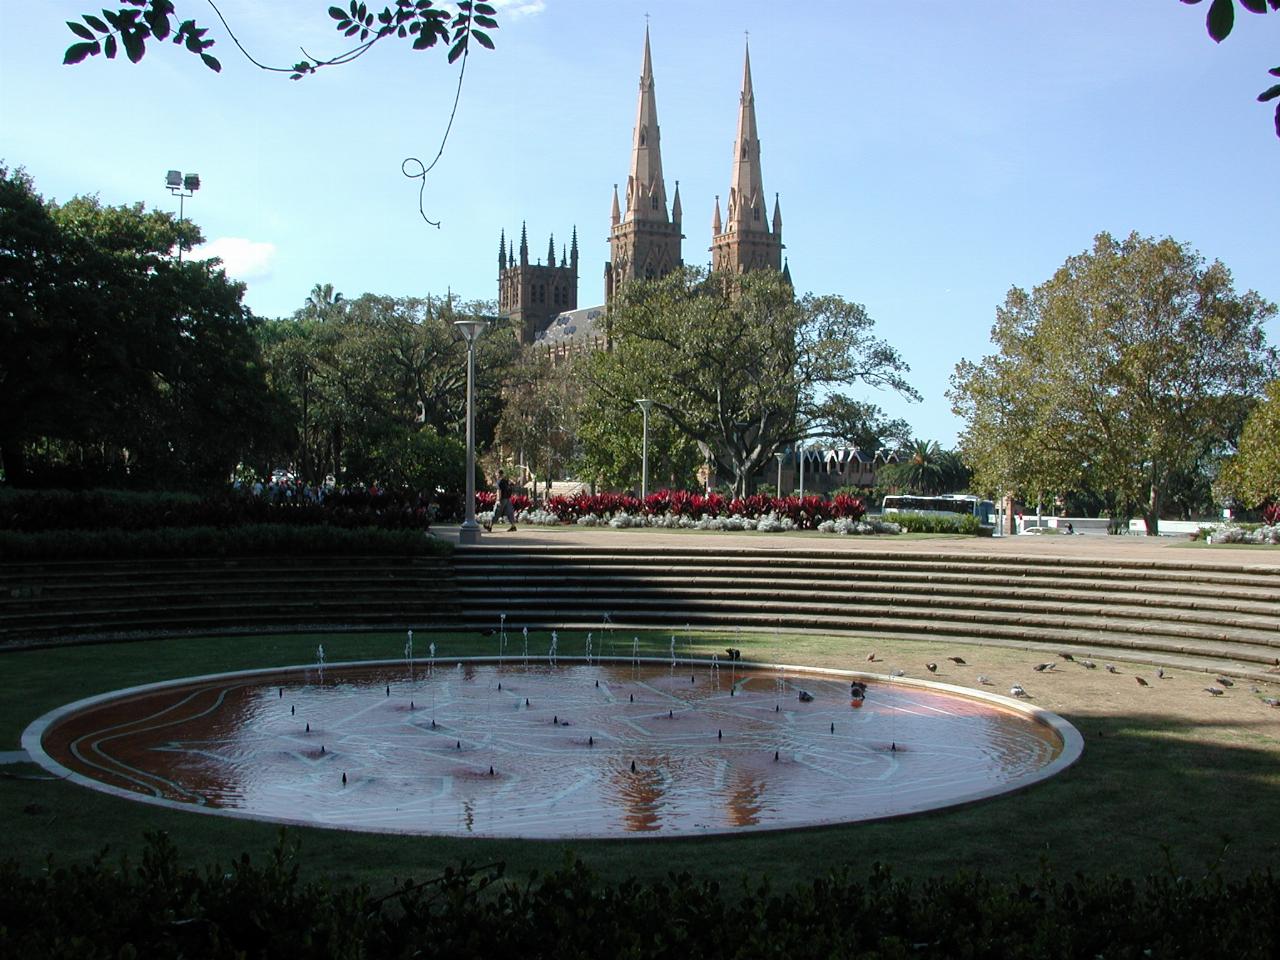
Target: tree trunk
<point>1151,516</point>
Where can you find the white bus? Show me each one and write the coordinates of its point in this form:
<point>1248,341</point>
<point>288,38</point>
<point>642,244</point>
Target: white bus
<point>946,504</point>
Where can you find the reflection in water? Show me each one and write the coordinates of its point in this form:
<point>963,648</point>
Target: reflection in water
<point>542,751</point>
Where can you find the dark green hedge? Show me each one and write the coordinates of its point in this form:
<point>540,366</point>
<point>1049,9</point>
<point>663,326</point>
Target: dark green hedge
<point>157,909</point>
<point>253,540</point>
<point>935,523</point>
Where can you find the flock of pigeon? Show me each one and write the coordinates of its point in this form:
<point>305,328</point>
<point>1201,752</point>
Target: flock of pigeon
<point>1017,690</point>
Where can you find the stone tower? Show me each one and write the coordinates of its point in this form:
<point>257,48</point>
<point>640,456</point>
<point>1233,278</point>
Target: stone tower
<point>743,241</point>
<point>534,294</point>
<point>644,241</point>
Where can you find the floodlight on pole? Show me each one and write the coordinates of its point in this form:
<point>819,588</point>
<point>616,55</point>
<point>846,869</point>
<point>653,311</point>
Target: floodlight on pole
<point>469,532</point>
<point>182,186</point>
<point>644,448</point>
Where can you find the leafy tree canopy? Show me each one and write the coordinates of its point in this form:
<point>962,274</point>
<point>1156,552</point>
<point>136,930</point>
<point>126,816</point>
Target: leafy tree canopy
<point>737,364</point>
<point>117,362</point>
<point>421,23</point>
<point>1130,364</point>
<point>1252,476</point>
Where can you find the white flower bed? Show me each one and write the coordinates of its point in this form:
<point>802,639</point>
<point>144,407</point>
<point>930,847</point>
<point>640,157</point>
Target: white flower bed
<point>538,518</point>
<point>1230,533</point>
<point>849,527</point>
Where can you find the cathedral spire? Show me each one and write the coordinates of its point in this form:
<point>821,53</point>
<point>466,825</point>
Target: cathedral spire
<point>646,193</point>
<point>715,221</point>
<point>746,190</point>
<point>551,251</point>
<point>524,245</point>
<point>502,249</point>
<point>616,214</point>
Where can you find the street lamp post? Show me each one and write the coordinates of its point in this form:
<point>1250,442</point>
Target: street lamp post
<point>469,533</point>
<point>779,457</point>
<point>182,186</point>
<point>800,457</point>
<point>644,448</point>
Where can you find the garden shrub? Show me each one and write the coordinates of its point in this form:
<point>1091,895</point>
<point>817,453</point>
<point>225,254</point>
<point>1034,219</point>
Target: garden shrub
<point>936,523</point>
<point>158,908</point>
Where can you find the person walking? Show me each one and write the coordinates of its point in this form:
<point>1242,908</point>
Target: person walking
<point>502,505</point>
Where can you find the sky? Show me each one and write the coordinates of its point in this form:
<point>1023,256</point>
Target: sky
<point>927,156</point>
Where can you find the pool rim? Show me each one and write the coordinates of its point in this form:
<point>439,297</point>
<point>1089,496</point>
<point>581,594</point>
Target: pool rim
<point>1071,738</point>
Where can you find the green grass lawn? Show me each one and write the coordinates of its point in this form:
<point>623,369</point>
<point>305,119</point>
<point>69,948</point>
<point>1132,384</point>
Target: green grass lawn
<point>1152,788</point>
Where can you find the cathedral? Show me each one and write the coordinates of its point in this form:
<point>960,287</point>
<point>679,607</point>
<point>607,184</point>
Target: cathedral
<point>645,233</point>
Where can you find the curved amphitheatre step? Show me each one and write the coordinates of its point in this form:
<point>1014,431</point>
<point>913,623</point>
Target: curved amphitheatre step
<point>1219,616</point>
<point>42,603</point>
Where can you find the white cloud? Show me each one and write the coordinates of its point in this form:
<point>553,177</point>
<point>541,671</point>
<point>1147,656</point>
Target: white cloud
<point>242,259</point>
<point>518,8</point>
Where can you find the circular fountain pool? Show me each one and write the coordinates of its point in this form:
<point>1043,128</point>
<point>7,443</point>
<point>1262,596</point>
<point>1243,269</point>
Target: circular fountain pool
<point>601,749</point>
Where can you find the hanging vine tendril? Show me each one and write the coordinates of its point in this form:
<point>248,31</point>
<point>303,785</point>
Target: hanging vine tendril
<point>421,175</point>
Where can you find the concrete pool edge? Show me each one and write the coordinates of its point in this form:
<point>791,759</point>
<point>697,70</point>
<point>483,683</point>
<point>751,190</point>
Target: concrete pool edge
<point>1072,742</point>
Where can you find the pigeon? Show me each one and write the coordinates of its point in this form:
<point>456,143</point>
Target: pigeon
<point>1067,656</point>
<point>1271,701</point>
<point>1111,668</point>
<point>733,652</point>
<point>1017,691</point>
<point>1160,673</point>
<point>857,687</point>
<point>858,694</point>
<point>1213,691</point>
<point>931,667</point>
<point>1042,667</point>
<point>806,696</point>
<point>1088,664</point>
<point>958,661</point>
<point>1224,681</point>
<point>1141,682</point>
<point>985,681</point>
<point>898,673</point>
<point>871,658</point>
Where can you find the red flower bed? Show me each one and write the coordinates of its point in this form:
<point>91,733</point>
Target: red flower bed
<point>1271,514</point>
<point>806,513</point>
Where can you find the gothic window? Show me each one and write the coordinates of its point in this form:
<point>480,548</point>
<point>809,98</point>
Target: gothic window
<point>642,138</point>
<point>755,214</point>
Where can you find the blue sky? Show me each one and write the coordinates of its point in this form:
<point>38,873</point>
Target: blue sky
<point>928,156</point>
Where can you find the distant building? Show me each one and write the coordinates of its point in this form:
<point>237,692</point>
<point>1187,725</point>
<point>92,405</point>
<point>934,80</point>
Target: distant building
<point>645,234</point>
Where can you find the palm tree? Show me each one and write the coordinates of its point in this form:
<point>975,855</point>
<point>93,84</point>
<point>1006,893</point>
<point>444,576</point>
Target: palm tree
<point>321,301</point>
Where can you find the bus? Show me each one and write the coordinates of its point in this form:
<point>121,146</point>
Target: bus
<point>946,504</point>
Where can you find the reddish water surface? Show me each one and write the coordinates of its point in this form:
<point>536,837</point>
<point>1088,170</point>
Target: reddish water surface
<point>599,750</point>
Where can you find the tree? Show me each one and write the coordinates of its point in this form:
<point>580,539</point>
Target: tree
<point>1125,368</point>
<point>419,22</point>
<point>117,362</point>
<point>1252,476</point>
<point>355,372</point>
<point>924,467</point>
<point>1220,21</point>
<point>539,424</point>
<point>737,364</point>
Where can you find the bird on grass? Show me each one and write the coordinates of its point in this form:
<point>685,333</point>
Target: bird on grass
<point>1088,664</point>
<point>958,661</point>
<point>931,667</point>
<point>1042,667</point>
<point>871,658</point>
<point>1214,691</point>
<point>733,652</point>
<point>1017,691</point>
<point>1141,682</point>
<point>1111,668</point>
<point>898,673</point>
<point>1067,656</point>
<point>985,681</point>
<point>1224,681</point>
<point>1160,673</point>
<point>1271,701</point>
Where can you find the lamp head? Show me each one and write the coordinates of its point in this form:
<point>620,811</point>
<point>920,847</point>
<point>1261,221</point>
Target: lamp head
<point>644,405</point>
<point>191,182</point>
<point>173,179</point>
<point>470,329</point>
